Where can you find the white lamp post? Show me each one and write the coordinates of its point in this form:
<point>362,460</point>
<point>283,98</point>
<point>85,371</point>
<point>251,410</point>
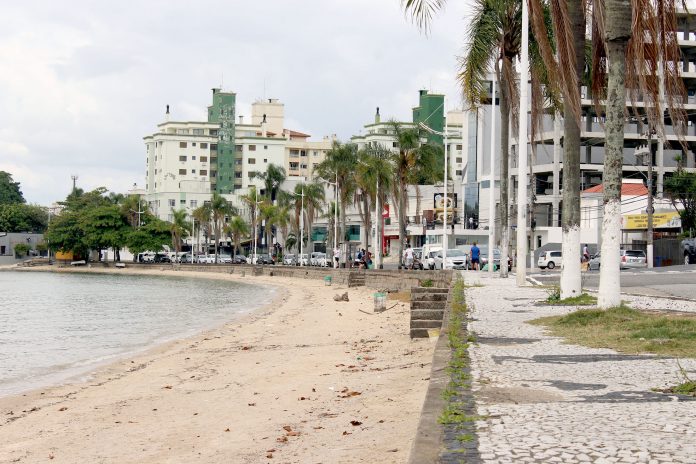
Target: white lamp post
<point>522,163</point>
<point>491,191</point>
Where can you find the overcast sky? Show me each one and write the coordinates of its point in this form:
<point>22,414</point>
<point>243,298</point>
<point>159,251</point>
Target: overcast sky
<point>83,81</point>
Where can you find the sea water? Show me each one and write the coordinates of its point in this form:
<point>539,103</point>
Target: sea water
<point>54,326</point>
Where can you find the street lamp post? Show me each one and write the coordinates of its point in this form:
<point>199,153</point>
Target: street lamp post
<point>491,191</point>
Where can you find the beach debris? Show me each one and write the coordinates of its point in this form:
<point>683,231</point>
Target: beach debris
<point>168,387</point>
<point>269,455</point>
<point>227,429</point>
<point>393,450</point>
<point>318,427</point>
<point>64,408</point>
<point>355,423</point>
<point>302,398</point>
<point>51,456</point>
<point>245,348</point>
<point>347,433</point>
<point>282,439</point>
<point>314,390</point>
<point>343,297</point>
<point>251,404</point>
<point>349,393</point>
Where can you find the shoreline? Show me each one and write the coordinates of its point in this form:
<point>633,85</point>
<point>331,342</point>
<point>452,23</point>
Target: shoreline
<point>92,367</point>
<point>347,384</point>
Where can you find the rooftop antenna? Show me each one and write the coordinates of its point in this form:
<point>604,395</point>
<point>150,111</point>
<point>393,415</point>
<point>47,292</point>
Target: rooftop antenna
<point>74,181</point>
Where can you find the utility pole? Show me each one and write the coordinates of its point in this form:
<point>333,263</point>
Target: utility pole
<point>653,140</point>
<point>491,189</point>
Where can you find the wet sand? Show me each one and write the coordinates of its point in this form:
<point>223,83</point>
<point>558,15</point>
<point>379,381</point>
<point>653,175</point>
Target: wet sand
<point>304,380</point>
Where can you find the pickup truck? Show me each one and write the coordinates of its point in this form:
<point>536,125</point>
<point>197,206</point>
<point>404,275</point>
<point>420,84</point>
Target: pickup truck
<point>688,246</point>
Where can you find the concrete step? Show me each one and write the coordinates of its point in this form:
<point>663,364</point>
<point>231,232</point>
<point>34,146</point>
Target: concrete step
<point>427,315</point>
<point>426,324</point>
<point>429,297</point>
<point>428,305</point>
<point>429,290</point>
<point>420,333</point>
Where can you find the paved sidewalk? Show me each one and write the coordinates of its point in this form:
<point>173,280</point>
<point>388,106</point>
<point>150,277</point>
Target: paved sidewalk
<point>544,401</point>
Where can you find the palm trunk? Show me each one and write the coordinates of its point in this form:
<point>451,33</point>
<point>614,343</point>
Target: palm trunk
<point>403,195</point>
<point>571,280</point>
<point>618,31</point>
<point>418,204</point>
<point>504,172</point>
<point>217,238</point>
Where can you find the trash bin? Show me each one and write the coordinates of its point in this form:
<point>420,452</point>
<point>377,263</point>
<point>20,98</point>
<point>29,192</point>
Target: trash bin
<point>658,261</point>
<point>380,302</point>
<point>327,281</point>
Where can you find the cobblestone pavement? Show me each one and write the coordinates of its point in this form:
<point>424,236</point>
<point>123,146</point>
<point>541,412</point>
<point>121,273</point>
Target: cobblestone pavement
<point>542,401</point>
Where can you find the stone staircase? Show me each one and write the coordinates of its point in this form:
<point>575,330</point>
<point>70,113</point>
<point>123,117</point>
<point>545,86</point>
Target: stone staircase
<point>428,306</point>
<point>356,279</point>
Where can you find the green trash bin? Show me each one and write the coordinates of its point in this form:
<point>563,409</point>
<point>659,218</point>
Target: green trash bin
<point>327,280</point>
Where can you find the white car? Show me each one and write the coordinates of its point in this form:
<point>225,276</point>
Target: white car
<point>304,260</point>
<point>207,259</point>
<point>289,260</point>
<point>318,259</point>
<point>428,259</point>
<point>550,259</point>
<point>224,259</point>
<point>456,259</point>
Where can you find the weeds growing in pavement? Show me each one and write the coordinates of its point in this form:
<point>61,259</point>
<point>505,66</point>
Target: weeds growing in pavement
<point>687,387</point>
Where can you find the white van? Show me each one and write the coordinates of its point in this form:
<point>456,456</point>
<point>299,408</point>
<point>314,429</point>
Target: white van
<point>550,259</point>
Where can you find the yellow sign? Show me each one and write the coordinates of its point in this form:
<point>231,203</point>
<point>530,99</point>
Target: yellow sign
<point>660,220</point>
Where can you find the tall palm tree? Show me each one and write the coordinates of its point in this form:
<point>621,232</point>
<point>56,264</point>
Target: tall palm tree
<point>313,201</point>
<point>180,228</point>
<point>283,221</point>
<point>267,213</point>
<point>220,208</point>
<point>340,163</point>
<point>375,167</point>
<point>251,200</point>
<point>494,34</point>
<point>202,217</point>
<point>237,228</point>
<point>272,179</point>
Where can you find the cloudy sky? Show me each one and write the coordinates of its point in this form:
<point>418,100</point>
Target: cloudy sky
<point>83,81</point>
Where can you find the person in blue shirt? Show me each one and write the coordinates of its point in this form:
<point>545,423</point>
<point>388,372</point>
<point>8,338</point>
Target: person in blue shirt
<point>475,256</point>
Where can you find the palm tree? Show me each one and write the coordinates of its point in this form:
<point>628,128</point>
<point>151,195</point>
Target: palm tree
<point>494,34</point>
<point>282,220</point>
<point>340,163</point>
<point>375,167</point>
<point>252,200</point>
<point>268,212</point>
<point>220,208</point>
<point>272,179</point>
<point>180,228</point>
<point>202,217</point>
<point>237,228</point>
<point>313,200</point>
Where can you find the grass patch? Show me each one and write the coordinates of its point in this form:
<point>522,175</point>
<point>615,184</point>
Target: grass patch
<point>626,330</point>
<point>554,298</point>
<point>426,283</point>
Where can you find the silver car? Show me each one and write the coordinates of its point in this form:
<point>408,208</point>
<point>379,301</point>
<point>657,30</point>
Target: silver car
<point>629,259</point>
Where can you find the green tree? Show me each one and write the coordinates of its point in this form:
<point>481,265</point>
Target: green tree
<point>180,228</point>
<point>268,213</point>
<point>220,209</point>
<point>152,235</point>
<point>681,188</point>
<point>21,217</point>
<point>9,190</point>
<point>252,200</point>
<point>21,250</point>
<point>237,229</point>
<point>104,227</point>
<point>375,166</point>
<point>66,233</point>
<point>202,217</point>
<point>272,180</point>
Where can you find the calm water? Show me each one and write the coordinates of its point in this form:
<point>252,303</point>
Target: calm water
<point>56,326</point>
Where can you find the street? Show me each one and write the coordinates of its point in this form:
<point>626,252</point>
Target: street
<point>676,281</point>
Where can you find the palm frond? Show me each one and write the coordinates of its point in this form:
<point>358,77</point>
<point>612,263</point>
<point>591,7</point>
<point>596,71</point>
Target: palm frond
<point>422,11</point>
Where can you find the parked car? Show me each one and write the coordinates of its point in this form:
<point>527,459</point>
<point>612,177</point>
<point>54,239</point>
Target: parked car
<point>550,259</point>
<point>289,259</point>
<point>265,259</point>
<point>162,258</point>
<point>633,259</point>
<point>688,246</point>
<point>456,259</point>
<point>225,259</point>
<point>186,258</point>
<point>595,262</point>
<point>206,259</point>
<point>318,259</point>
<point>304,258</point>
<point>239,259</point>
<point>483,260</point>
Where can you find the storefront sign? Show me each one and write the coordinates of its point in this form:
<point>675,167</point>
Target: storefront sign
<point>670,220</point>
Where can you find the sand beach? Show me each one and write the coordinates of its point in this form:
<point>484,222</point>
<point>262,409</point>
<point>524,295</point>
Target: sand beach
<point>303,380</point>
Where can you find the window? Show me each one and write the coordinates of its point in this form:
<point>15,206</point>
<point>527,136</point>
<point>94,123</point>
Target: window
<point>294,165</point>
<point>237,175</point>
<point>238,162</point>
<point>197,131</point>
<point>315,153</point>
<point>459,147</point>
<point>193,171</point>
<point>252,147</point>
<point>213,173</point>
<point>204,145</point>
<point>252,174</point>
<point>193,144</point>
<point>182,158</point>
<point>303,153</point>
<point>238,148</point>
<point>303,166</point>
<point>182,202</point>
<point>182,144</point>
<point>172,202</point>
<point>203,172</point>
<point>237,186</point>
<point>294,153</point>
<point>395,145</point>
<point>170,217</point>
<point>182,172</point>
<point>182,131</point>
<point>265,147</point>
<point>213,132</point>
<point>193,158</point>
<point>194,203</point>
<point>459,159</point>
<point>265,160</point>
<point>204,159</point>
<point>459,172</point>
<point>213,147</point>
<point>251,161</point>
